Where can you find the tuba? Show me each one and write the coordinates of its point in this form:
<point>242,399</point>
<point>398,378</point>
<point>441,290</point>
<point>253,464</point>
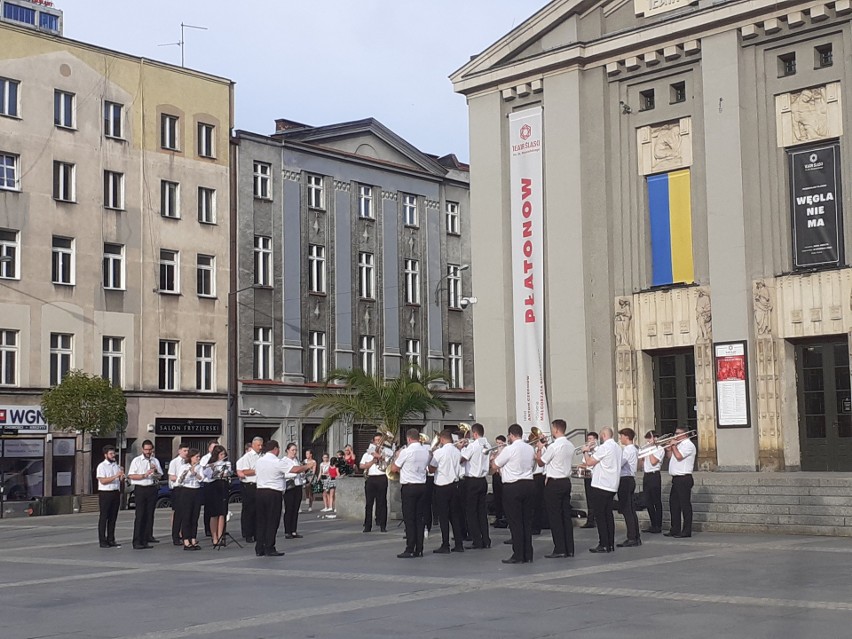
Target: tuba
<point>387,438</point>
<point>464,437</point>
<point>536,435</point>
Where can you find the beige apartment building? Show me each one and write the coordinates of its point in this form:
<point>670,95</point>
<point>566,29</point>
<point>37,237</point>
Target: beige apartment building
<point>114,246</point>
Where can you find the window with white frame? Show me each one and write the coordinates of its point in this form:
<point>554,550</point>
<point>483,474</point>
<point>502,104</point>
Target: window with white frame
<point>316,356</point>
<point>206,205</point>
<point>9,173</point>
<point>204,360</point>
<point>112,360</point>
<point>62,268</point>
<point>169,132</point>
<point>206,140</point>
<point>113,190</point>
<point>206,275</point>
<point>64,182</point>
<point>365,202</point>
<point>114,266</point>
<point>262,260</point>
<point>262,352</point>
<point>169,271</point>
<point>169,373</point>
<point>456,367</point>
<point>453,221</point>
<point>169,199</point>
<point>9,90</point>
<point>61,354</point>
<point>263,180</point>
<point>8,357</point>
<point>412,355</point>
<point>367,350</point>
<point>366,275</point>
<point>409,210</point>
<point>453,286</point>
<point>412,281</point>
<point>316,195</point>
<point>113,123</point>
<point>9,254</point>
<point>64,106</point>
<point>316,268</point>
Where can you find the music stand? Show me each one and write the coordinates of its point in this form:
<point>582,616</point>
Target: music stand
<point>223,540</point>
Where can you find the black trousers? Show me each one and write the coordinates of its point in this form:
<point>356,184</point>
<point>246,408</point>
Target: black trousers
<point>143,523</point>
<point>268,510</point>
<point>557,500</point>
<point>476,492</point>
<point>190,508</point>
<point>177,492</point>
<point>414,509</point>
<point>587,487</point>
<point>108,502</point>
<point>602,507</point>
<point>431,510</point>
<point>518,500</point>
<point>248,492</point>
<point>205,499</point>
<point>464,526</point>
<point>449,512</point>
<point>539,511</point>
<point>292,502</point>
<point>626,488</point>
<point>376,492</point>
<point>680,504</point>
<point>653,493</point>
<point>497,489</point>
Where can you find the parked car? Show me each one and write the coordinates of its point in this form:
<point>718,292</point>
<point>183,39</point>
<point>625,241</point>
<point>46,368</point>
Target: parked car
<point>164,494</point>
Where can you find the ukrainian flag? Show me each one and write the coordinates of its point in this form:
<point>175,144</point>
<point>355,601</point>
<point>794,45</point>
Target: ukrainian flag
<point>671,228</point>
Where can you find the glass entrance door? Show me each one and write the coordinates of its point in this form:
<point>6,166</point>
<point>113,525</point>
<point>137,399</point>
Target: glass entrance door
<point>674,391</point>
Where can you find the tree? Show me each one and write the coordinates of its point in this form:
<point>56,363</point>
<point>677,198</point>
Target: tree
<point>85,403</point>
<point>368,399</point>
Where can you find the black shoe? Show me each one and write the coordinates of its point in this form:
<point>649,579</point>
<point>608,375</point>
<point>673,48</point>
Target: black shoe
<point>457,549</point>
<point>443,550</point>
<point>104,545</point>
<point>250,540</point>
<point>274,553</point>
<point>259,554</point>
<point>177,542</point>
<point>512,560</point>
<point>288,536</point>
<point>112,544</point>
<point>652,530</point>
<point>418,553</point>
<point>474,547</point>
<point>153,541</point>
<point>141,547</point>
<point>630,543</point>
<point>406,555</point>
<point>610,549</point>
<point>556,555</point>
<point>366,530</point>
<point>589,524</point>
<point>296,536</point>
<point>682,536</point>
<point>383,529</point>
<point>671,534</point>
<point>501,524</point>
<point>508,542</point>
<point>599,549</point>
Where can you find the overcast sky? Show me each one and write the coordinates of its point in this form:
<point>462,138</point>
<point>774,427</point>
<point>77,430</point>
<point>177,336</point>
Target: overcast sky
<point>318,61</point>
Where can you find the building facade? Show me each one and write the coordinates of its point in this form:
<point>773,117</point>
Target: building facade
<point>114,246</point>
<point>352,250</point>
<point>694,263</point>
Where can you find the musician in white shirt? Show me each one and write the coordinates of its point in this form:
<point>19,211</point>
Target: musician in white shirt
<point>271,473</point>
<point>591,441</point>
<point>476,487</point>
<point>109,475</point>
<point>652,483</point>
<point>556,457</point>
<point>411,463</point>
<point>627,486</point>
<point>190,479</point>
<point>605,463</point>
<point>177,492</point>
<point>681,454</point>
<point>293,491</point>
<point>446,464</point>
<point>248,488</point>
<point>516,462</point>
<point>376,483</point>
<point>144,475</point>
<point>205,485</point>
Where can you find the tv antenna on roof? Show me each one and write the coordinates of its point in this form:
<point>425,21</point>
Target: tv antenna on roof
<point>182,42</point>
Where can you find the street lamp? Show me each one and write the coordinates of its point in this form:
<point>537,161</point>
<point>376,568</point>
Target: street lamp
<point>233,336</point>
<point>461,268</point>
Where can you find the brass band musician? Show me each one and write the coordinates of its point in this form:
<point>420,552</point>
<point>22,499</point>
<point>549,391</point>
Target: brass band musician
<point>144,475</point>
<point>374,462</point>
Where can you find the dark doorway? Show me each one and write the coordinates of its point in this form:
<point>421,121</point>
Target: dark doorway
<point>674,390</point>
<point>317,447</point>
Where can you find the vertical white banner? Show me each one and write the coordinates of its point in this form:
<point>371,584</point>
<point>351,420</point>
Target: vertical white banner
<point>525,172</point>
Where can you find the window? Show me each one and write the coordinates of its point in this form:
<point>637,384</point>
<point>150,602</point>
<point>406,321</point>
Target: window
<point>409,209</point>
<point>263,180</point>
<point>9,170</point>
<point>368,354</point>
<point>9,97</point>
<point>262,260</point>
<point>456,367</point>
<point>786,64</point>
<point>19,14</point>
<point>48,22</point>
<point>262,353</point>
<point>412,354</point>
<point>823,57</point>
<point>8,254</point>
<point>112,119</point>
<point>453,221</point>
<point>677,92</point>
<point>112,360</point>
<point>204,366</point>
<point>114,266</point>
<point>316,268</point>
<point>8,358</point>
<point>412,282</point>
<point>169,369</point>
<point>61,352</point>
<point>646,100</point>
<point>206,139</point>
<point>64,183</point>
<point>206,276</point>
<point>169,271</point>
<point>366,275</point>
<point>64,105</point>
<point>62,271</point>
<point>113,190</point>
<point>453,286</point>
<point>316,353</point>
<point>316,197</point>
<point>365,202</point>
<point>169,132</point>
<point>169,199</point>
<point>206,205</point>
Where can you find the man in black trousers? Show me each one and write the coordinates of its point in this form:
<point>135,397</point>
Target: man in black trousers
<point>591,440</point>
<point>109,475</point>
<point>375,483</point>
<point>177,492</point>
<point>248,488</point>
<point>144,474</point>
<point>476,487</point>
<point>411,464</point>
<point>556,457</point>
<point>497,488</point>
<point>515,462</point>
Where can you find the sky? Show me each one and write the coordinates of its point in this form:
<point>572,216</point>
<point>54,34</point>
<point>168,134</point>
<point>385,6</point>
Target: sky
<point>321,61</point>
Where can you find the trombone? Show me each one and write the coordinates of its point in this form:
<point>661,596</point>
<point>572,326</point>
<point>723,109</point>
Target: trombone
<point>536,436</point>
<point>665,441</point>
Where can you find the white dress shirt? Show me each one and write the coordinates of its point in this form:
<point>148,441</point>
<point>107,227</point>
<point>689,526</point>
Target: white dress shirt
<point>173,469</point>
<point>374,470</point>
<point>687,464</point>
<point>191,479</point>
<point>650,467</point>
<point>248,462</point>
<point>476,461</point>
<point>606,473</point>
<point>413,461</point>
<point>214,470</point>
<point>205,459</point>
<point>557,458</point>
<point>141,465</point>
<point>447,464</point>
<point>272,472</point>
<point>108,469</point>
<point>516,461</point>
<point>629,460</point>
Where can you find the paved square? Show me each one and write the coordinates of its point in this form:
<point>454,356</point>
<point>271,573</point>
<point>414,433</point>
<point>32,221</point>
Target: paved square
<point>338,582</point>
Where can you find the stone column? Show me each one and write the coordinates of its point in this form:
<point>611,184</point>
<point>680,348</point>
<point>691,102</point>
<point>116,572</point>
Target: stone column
<point>767,376</point>
<point>705,382</point>
<point>626,374</point>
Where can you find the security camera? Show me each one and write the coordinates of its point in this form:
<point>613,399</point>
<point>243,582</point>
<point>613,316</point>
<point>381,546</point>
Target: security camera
<point>150,428</point>
<point>254,412</point>
<point>467,301</point>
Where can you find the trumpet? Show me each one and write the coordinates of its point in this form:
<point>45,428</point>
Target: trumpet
<point>579,449</point>
<point>666,441</point>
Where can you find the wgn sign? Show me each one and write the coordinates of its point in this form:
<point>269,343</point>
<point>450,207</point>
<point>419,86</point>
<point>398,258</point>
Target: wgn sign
<point>23,419</point>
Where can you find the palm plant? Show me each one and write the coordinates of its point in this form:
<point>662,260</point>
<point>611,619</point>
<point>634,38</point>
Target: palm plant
<point>368,399</point>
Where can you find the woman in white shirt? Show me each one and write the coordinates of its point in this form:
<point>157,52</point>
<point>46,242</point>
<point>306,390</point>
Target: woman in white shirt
<point>218,470</point>
<point>189,477</point>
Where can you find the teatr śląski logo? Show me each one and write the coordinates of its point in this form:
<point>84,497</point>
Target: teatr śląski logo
<point>526,132</point>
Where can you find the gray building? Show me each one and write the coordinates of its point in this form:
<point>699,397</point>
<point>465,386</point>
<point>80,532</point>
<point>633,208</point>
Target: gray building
<point>352,250</point>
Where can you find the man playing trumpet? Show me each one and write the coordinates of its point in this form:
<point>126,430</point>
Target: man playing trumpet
<point>144,475</point>
<point>681,454</point>
<point>556,459</point>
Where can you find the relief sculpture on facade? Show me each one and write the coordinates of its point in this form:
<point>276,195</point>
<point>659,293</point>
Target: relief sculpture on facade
<point>762,309</point>
<point>666,146</point>
<point>623,324</point>
<point>704,316</point>
<point>809,110</point>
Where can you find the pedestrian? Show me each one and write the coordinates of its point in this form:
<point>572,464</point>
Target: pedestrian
<point>109,475</point>
<point>328,476</point>
<point>310,476</point>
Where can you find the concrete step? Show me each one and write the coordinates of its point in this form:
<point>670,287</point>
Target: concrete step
<point>89,504</point>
